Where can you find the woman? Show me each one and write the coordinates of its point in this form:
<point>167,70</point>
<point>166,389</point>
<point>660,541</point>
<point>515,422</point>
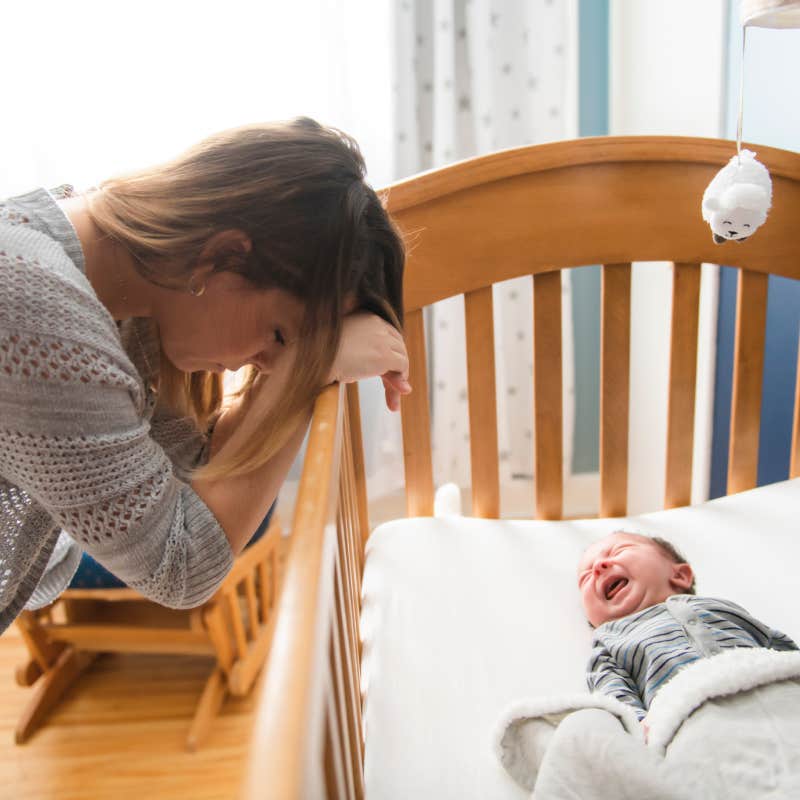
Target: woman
<point>120,310</point>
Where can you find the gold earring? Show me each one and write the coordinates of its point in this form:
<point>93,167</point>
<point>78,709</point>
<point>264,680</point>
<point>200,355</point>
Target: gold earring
<point>194,290</point>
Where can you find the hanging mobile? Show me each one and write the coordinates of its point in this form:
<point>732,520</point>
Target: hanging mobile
<point>738,198</point>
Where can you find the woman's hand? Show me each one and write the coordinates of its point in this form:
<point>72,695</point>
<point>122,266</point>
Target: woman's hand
<point>371,347</point>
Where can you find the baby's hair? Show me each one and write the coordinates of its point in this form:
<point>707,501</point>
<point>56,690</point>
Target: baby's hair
<point>674,555</point>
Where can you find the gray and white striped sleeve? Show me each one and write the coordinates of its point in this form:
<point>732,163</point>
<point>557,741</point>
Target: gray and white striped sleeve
<point>605,675</point>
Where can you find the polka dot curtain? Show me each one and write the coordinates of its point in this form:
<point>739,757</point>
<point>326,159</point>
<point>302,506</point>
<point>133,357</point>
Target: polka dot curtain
<point>472,77</point>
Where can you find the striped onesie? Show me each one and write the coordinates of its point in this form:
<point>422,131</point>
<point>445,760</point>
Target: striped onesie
<point>633,656</point>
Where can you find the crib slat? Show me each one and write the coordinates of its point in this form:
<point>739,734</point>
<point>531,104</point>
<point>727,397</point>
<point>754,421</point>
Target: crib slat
<point>351,533</point>
<point>349,602</point>
<point>748,369</point>
<point>794,462</point>
<point>351,696</point>
<point>548,453</point>
<point>682,384</point>
<point>340,696</point>
<point>615,326</point>
<point>482,403</point>
<point>335,786</point>
<point>359,472</point>
<point>416,422</point>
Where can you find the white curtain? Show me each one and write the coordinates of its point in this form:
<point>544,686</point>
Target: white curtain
<point>472,77</point>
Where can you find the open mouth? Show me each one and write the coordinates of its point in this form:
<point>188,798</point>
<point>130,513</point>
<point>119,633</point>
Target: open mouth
<point>615,587</point>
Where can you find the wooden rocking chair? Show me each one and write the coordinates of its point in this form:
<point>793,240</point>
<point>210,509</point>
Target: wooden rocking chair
<point>235,626</point>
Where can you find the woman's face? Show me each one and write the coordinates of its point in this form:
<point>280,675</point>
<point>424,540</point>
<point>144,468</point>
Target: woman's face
<point>229,325</point>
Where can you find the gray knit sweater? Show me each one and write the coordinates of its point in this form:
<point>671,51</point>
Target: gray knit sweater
<point>84,446</point>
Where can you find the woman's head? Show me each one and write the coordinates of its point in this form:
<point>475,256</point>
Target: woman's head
<point>268,234</point>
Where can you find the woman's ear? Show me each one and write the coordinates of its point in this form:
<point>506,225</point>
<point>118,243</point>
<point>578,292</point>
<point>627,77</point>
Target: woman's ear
<point>682,576</point>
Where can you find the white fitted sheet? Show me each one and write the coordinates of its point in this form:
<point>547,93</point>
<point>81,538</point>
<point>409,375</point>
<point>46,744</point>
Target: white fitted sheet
<point>462,617</point>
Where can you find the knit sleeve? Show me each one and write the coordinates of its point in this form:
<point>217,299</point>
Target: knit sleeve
<point>183,442</point>
<point>606,676</point>
<point>73,436</point>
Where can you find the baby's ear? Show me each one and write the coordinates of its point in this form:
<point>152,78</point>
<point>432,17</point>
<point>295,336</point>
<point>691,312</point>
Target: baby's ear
<point>682,576</point>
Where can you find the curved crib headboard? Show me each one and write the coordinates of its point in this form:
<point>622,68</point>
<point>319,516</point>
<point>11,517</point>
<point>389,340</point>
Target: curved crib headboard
<point>537,210</point>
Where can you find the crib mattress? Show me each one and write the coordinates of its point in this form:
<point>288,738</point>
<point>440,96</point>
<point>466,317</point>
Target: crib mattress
<point>462,617</point>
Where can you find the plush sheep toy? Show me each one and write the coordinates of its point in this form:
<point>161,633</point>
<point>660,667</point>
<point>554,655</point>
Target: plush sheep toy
<point>737,200</point>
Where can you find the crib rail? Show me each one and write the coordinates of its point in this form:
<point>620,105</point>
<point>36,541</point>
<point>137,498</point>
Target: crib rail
<point>308,739</point>
<point>538,211</point>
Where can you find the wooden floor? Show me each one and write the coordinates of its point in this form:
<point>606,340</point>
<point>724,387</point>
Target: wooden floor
<point>119,733</point>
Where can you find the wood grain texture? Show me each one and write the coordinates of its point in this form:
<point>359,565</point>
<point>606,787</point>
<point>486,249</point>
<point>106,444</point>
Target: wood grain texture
<point>49,689</point>
<point>479,324</point>
<point>548,445</point>
<point>416,423</point>
<point>129,708</point>
<point>252,606</point>
<point>569,204</point>
<point>615,336</point>
<point>280,740</point>
<point>748,372</point>
<point>235,618</point>
<point>586,151</point>
<point>207,709</point>
<point>682,384</point>
<point>359,472</point>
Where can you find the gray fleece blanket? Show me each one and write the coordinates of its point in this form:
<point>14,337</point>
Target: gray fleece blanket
<point>723,727</point>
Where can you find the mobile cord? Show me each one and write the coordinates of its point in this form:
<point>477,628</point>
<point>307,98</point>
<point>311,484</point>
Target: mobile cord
<point>741,99</point>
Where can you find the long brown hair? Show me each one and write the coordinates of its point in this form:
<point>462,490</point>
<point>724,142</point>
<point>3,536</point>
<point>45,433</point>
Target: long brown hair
<point>318,230</point>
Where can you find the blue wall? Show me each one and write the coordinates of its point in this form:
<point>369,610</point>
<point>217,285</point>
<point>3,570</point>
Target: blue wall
<point>593,64</point>
<point>771,117</point>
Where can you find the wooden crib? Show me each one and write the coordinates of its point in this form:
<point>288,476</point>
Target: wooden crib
<point>529,211</point>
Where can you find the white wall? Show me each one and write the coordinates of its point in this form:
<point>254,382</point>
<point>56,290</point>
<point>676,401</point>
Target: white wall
<point>666,77</point>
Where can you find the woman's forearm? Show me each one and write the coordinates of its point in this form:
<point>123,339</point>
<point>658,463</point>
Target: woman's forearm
<point>240,503</point>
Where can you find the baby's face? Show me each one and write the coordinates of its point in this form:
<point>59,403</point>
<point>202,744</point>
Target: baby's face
<point>625,573</point>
